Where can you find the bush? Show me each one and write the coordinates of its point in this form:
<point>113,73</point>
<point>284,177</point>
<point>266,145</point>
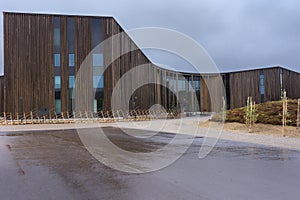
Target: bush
<point>268,113</point>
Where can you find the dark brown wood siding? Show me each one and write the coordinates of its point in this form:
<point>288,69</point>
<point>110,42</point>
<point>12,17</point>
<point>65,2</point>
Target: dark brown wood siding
<point>29,71</point>
<point>243,85</point>
<point>291,82</point>
<point>64,63</point>
<point>28,60</point>
<point>272,84</point>
<point>1,94</point>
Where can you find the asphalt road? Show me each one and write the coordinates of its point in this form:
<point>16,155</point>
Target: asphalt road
<point>55,165</point>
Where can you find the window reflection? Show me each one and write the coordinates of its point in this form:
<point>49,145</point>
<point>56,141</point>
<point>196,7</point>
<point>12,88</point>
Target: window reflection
<point>57,60</point>
<point>72,60</point>
<point>57,82</point>
<point>98,82</point>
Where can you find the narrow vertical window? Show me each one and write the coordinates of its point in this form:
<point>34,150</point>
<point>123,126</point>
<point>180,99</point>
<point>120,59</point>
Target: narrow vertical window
<point>71,56</point>
<point>56,42</point>
<point>98,63</point>
<point>71,41</point>
<point>57,77</point>
<point>262,85</point>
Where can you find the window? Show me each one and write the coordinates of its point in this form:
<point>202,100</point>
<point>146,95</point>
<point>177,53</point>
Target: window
<point>196,81</point>
<point>71,35</point>
<point>97,60</point>
<point>97,37</point>
<point>98,81</point>
<point>71,52</point>
<point>71,60</point>
<point>71,81</point>
<point>57,82</point>
<point>57,60</point>
<point>95,105</point>
<point>57,105</point>
<point>262,85</point>
<point>56,34</point>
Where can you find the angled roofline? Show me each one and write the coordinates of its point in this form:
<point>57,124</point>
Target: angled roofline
<point>146,56</point>
<point>260,68</point>
<point>58,14</point>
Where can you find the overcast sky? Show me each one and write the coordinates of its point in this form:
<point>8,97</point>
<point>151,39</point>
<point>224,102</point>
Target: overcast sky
<point>238,34</point>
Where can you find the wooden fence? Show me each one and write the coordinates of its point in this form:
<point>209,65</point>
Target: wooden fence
<point>35,117</point>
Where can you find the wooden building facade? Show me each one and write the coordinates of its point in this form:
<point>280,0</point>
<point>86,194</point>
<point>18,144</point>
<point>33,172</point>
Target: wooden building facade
<point>56,63</point>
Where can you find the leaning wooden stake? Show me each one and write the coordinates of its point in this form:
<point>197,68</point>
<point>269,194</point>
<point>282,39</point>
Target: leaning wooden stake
<point>284,111</point>
<point>250,116</point>
<point>31,116</point>
<point>224,108</point>
<point>5,121</point>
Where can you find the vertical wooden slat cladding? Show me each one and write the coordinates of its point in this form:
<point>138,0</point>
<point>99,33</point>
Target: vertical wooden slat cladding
<point>242,85</point>
<point>107,50</point>
<point>28,62</point>
<point>205,102</point>
<point>211,93</point>
<point>29,70</point>
<point>83,65</point>
<point>291,82</point>
<point>64,63</point>
<point>272,84</point>
<point>127,56</point>
<point>1,94</point>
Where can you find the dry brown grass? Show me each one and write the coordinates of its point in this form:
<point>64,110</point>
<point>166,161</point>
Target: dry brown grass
<point>268,113</point>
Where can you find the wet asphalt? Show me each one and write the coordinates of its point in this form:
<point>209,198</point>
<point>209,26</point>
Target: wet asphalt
<point>55,165</point>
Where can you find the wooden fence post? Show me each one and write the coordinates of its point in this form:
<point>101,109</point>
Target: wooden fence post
<point>31,116</point>
<point>5,120</point>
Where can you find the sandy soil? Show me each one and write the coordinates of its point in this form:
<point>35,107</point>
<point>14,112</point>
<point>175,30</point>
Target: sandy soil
<point>265,129</point>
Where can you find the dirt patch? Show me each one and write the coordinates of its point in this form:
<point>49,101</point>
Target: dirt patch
<point>265,129</point>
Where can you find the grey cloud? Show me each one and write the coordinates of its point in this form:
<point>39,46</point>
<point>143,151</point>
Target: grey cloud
<point>236,33</point>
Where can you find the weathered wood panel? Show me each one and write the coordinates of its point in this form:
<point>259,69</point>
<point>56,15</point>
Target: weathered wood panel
<point>243,85</point>
<point>205,105</point>
<point>64,63</point>
<point>291,83</point>
<point>83,65</point>
<point>272,84</point>
<point>29,70</point>
<point>1,94</point>
<point>28,60</point>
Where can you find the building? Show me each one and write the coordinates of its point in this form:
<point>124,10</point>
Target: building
<point>43,54</point>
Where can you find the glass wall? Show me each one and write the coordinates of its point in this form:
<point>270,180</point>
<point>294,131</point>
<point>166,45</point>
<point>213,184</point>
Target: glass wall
<point>171,84</point>
<point>182,92</point>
